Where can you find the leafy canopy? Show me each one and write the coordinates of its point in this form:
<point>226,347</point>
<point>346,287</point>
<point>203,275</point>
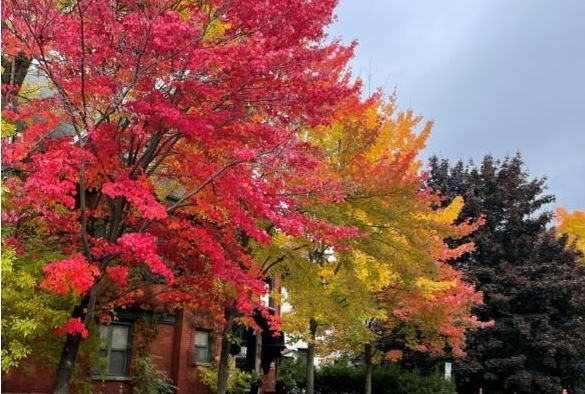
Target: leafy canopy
<point>572,224</point>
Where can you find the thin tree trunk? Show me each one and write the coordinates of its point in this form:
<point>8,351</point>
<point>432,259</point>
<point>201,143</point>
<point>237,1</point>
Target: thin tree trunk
<point>223,367</point>
<point>311,358</point>
<point>66,364</point>
<point>69,353</point>
<point>369,367</point>
<point>258,361</point>
<point>86,311</point>
<point>15,69</point>
<point>13,75</point>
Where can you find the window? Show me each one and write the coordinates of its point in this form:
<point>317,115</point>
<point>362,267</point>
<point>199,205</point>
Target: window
<point>267,299</point>
<point>270,289</point>
<point>242,358</point>
<point>115,348</point>
<point>203,344</point>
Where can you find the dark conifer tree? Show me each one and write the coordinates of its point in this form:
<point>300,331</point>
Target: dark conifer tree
<point>533,285</point>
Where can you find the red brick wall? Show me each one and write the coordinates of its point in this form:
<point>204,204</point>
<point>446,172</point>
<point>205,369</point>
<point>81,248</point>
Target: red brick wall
<point>33,378</point>
<point>30,378</point>
<point>269,381</point>
<point>173,347</point>
<point>187,372</point>
<point>161,347</point>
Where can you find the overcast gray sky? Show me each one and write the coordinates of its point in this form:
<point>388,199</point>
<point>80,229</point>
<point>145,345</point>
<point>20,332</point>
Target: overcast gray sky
<point>496,76</point>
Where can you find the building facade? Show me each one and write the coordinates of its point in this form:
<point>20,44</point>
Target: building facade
<point>180,343</point>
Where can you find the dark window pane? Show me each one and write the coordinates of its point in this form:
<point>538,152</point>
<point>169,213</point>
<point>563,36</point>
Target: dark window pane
<point>202,346</point>
<point>202,355</point>
<point>114,348</point>
<point>117,362</point>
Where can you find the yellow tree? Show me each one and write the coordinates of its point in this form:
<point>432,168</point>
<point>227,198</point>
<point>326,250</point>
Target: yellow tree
<point>573,224</point>
<point>403,257</point>
<point>397,240</point>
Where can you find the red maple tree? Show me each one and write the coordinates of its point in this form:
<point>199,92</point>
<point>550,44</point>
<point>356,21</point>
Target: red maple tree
<point>171,136</point>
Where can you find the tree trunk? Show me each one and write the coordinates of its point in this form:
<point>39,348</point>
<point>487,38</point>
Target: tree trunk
<point>66,364</point>
<point>69,354</point>
<point>223,367</point>
<point>13,75</point>
<point>369,367</point>
<point>258,360</point>
<point>311,358</point>
<point>86,311</point>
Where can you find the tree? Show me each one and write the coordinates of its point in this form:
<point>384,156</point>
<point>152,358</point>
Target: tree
<point>402,260</point>
<point>430,311</point>
<point>181,138</point>
<point>26,312</point>
<point>572,224</point>
<point>398,248</point>
<point>532,283</point>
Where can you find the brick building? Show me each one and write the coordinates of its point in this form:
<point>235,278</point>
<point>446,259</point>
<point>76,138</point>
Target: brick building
<point>181,342</point>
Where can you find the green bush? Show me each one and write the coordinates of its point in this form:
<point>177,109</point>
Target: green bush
<point>291,375</point>
<point>149,379</point>
<point>239,381</point>
<point>345,379</point>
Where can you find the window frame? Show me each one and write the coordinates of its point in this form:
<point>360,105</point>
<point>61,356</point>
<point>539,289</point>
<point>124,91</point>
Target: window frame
<point>99,374</point>
<point>267,299</point>
<point>208,348</point>
<point>271,300</point>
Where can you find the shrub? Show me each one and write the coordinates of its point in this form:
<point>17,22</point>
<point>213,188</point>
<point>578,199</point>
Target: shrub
<point>346,379</point>
<point>149,379</point>
<point>239,381</point>
<point>291,376</point>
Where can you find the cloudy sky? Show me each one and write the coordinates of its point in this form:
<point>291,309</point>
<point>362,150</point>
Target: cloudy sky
<point>496,76</point>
